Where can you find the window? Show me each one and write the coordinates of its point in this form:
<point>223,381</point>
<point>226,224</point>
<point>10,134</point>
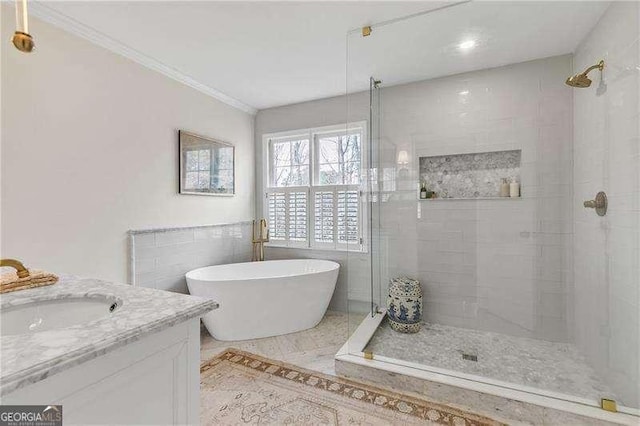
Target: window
<point>290,162</point>
<point>312,187</point>
<point>338,159</point>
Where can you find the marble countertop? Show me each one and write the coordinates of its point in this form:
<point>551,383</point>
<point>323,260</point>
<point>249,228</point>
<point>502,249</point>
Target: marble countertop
<point>29,358</point>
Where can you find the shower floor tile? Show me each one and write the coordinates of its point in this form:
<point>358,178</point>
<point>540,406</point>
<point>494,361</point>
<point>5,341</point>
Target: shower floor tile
<point>557,367</point>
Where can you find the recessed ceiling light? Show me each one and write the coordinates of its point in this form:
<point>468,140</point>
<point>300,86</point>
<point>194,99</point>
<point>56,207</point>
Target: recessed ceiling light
<point>463,93</point>
<point>466,45</point>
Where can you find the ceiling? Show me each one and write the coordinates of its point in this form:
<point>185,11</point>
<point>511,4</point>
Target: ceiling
<point>258,55</point>
<point>429,46</point>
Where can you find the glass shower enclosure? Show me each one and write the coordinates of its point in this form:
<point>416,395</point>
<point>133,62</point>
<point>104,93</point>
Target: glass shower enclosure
<point>509,194</point>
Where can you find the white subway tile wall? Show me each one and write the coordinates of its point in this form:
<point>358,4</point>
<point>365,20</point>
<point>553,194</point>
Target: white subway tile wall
<point>502,265</point>
<point>161,258</point>
<point>606,317</point>
<point>484,264</point>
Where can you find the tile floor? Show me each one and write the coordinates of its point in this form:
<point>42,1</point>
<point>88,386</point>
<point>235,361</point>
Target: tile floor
<point>313,349</point>
<point>545,365</point>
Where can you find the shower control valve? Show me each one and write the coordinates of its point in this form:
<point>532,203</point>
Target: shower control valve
<point>599,203</point>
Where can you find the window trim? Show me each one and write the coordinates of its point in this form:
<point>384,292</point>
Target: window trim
<point>311,135</point>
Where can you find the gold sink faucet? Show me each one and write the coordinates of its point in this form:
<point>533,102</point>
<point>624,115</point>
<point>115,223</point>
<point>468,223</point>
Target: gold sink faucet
<point>21,271</point>
<point>258,242</point>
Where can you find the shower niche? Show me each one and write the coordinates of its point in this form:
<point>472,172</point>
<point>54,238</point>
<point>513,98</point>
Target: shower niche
<point>478,175</point>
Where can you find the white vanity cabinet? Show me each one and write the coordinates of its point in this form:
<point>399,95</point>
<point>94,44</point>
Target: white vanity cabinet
<point>151,380</point>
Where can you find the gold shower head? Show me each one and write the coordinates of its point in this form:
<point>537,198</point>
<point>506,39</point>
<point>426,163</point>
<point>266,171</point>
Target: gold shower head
<point>581,80</point>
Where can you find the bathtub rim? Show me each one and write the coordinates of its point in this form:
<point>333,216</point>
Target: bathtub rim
<point>335,266</point>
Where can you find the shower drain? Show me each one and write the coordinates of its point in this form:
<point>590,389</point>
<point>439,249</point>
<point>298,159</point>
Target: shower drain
<point>470,357</point>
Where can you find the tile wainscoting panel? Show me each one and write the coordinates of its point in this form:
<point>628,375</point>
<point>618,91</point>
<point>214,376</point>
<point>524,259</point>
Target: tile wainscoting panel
<point>159,258</point>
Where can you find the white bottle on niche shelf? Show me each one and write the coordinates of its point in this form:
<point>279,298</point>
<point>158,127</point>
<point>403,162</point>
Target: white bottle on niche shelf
<point>504,188</point>
<point>514,188</point>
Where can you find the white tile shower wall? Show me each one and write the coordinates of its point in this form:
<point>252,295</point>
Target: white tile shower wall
<point>159,258</point>
<point>607,157</point>
<point>499,265</point>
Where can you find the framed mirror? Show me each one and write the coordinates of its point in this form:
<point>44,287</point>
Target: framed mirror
<point>207,166</point>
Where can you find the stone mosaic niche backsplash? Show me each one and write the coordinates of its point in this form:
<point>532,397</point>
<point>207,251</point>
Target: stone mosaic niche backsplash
<point>477,175</point>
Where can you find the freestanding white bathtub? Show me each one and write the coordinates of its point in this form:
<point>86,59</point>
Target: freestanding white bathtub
<point>262,299</point>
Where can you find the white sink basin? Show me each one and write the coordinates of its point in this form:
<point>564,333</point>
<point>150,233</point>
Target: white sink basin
<point>44,315</point>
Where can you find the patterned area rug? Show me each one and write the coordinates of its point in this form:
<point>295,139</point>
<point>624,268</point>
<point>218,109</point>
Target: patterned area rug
<point>242,388</point>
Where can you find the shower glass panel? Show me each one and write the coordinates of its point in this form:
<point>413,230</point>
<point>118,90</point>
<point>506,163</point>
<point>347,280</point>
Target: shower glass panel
<point>482,163</point>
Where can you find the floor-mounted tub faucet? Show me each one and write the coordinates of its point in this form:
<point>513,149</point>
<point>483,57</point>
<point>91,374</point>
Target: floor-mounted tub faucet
<point>258,242</point>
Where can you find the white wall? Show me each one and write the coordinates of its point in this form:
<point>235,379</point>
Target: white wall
<point>606,157</point>
<point>89,151</point>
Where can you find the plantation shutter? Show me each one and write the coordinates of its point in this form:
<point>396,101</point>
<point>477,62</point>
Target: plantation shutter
<point>297,212</point>
<point>277,216</point>
<point>336,217</point>
<point>348,216</point>
<point>324,208</point>
<point>288,210</point>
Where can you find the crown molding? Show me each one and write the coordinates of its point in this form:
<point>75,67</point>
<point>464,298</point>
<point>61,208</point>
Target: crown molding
<point>60,20</point>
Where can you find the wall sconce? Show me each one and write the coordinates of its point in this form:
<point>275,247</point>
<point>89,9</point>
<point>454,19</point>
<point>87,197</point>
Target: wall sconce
<point>403,162</point>
<point>21,39</point>
<point>403,159</point>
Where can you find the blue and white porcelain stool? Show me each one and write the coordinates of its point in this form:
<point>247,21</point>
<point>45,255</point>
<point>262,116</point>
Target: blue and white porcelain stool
<point>404,305</point>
